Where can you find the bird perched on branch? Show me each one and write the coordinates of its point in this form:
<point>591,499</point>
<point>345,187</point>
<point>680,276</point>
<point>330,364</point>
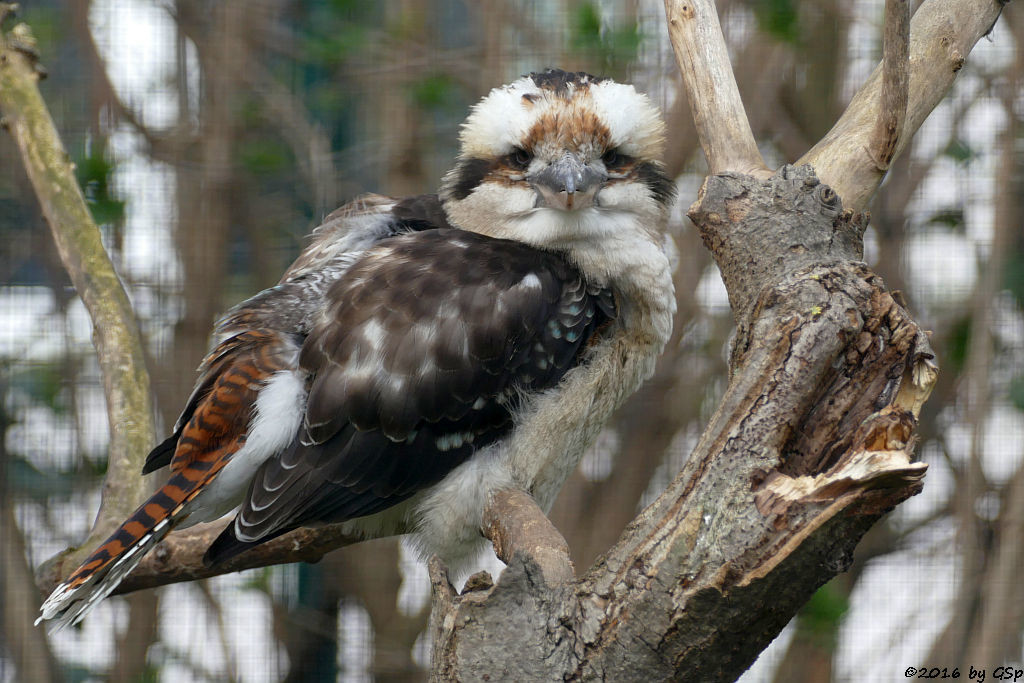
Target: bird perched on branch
<point>424,352</point>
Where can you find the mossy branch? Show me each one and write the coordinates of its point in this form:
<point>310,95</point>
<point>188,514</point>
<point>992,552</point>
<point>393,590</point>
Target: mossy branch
<point>115,331</point>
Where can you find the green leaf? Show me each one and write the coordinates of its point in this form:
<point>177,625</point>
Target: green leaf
<point>820,617</point>
<point>264,156</point>
<point>611,47</point>
<point>956,347</point>
<point>93,170</point>
<point>587,27</point>
<point>951,217</point>
<point>434,92</point>
<point>258,580</point>
<point>959,151</point>
<point>1013,276</point>
<point>1017,392</point>
<point>779,19</point>
<point>42,383</point>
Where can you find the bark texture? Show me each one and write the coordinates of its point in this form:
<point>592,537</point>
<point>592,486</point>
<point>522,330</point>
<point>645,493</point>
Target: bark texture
<point>811,444</point>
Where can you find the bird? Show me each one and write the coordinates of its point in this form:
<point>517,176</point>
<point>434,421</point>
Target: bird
<point>423,352</point>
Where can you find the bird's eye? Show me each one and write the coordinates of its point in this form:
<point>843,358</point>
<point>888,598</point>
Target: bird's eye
<point>610,158</point>
<point>520,158</point>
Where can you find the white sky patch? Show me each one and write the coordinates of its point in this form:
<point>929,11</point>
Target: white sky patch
<point>46,439</point>
<point>711,292</point>
<point>355,643</point>
<point>897,609</point>
<point>192,636</point>
<point>136,39</point>
<point>148,189</point>
<point>941,267</point>
<point>415,590</point>
<point>27,312</point>
<point>1003,442</point>
<point>92,645</point>
<point>864,31</point>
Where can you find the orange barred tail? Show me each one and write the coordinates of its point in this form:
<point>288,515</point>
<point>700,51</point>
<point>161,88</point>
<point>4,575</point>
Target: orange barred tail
<point>107,566</point>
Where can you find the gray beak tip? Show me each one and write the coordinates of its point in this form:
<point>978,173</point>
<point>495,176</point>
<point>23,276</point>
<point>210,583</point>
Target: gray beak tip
<point>568,183</point>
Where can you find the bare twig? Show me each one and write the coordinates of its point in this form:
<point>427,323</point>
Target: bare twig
<point>115,333</point>
<point>895,79</point>
<point>710,85</point>
<point>942,34</point>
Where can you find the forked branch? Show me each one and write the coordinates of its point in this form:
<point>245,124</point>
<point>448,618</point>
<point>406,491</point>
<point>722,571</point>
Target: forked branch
<point>942,34</point>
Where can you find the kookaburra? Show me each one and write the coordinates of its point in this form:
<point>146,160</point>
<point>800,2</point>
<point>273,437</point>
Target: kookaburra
<point>422,353</point>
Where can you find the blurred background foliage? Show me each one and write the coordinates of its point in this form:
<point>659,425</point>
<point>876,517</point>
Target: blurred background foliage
<point>210,137</point>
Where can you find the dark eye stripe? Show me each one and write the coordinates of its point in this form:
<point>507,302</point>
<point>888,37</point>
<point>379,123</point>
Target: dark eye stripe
<point>467,176</point>
<point>653,176</point>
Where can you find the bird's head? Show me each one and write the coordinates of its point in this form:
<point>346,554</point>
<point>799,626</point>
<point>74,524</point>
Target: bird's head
<point>555,159</point>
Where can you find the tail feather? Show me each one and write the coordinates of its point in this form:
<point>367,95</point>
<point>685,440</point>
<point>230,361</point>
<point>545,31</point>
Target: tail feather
<point>76,597</point>
<point>107,566</point>
<point>216,427</point>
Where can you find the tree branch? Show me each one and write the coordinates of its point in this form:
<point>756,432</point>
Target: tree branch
<point>710,85</point>
<point>895,77</point>
<point>517,526</point>
<point>942,34</point>
<point>179,557</point>
<point>115,333</point>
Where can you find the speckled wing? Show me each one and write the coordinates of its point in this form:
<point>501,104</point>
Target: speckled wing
<point>424,350</point>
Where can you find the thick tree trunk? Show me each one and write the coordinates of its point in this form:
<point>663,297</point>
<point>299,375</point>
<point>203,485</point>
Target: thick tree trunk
<point>810,446</point>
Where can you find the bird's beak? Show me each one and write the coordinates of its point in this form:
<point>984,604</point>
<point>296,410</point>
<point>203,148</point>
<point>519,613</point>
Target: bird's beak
<point>567,184</point>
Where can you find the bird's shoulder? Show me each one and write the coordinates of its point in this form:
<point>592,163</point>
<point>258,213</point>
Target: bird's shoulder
<point>361,223</point>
